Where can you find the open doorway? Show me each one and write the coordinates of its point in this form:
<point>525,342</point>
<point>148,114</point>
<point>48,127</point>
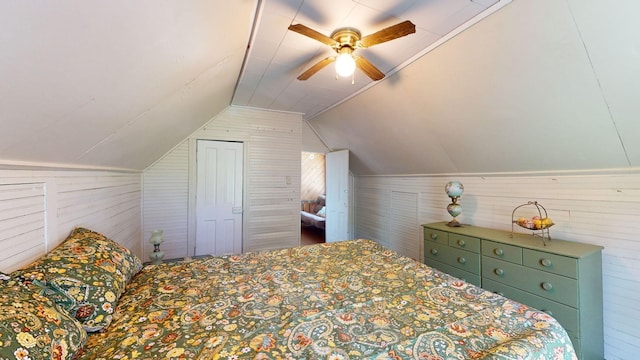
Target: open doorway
<point>312,196</point>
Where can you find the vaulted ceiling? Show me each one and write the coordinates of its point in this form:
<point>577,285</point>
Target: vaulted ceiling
<point>278,56</point>
<point>541,85</point>
<point>114,83</point>
<point>482,86</point>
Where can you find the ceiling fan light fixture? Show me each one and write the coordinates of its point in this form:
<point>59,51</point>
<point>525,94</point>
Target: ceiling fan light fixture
<point>345,63</point>
<point>345,41</point>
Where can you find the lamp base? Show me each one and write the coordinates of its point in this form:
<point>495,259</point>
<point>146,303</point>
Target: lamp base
<point>156,257</point>
<point>454,223</point>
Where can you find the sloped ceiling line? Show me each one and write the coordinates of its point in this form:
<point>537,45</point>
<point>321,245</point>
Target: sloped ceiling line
<point>252,36</point>
<point>183,89</point>
<point>598,80</point>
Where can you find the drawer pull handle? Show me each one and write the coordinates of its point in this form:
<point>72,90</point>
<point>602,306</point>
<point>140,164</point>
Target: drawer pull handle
<point>434,236</point>
<point>547,286</point>
<point>498,252</point>
<point>545,262</point>
<point>461,243</point>
<point>434,252</point>
<point>462,260</point>
<point>499,272</point>
<point>548,312</point>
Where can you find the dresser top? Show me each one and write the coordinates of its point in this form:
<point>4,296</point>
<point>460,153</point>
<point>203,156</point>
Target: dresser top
<point>555,246</point>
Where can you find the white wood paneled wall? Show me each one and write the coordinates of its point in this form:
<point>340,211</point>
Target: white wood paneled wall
<point>166,202</point>
<point>39,208</point>
<point>22,223</point>
<point>602,209</point>
<point>272,144</point>
<point>403,221</point>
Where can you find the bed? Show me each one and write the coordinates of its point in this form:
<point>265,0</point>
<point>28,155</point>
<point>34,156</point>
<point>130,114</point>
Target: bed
<point>314,213</point>
<point>346,300</point>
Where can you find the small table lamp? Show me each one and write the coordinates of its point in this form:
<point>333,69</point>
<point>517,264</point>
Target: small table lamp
<point>454,190</point>
<point>156,239</point>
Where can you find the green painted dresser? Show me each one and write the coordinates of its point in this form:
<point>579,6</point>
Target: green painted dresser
<point>563,278</point>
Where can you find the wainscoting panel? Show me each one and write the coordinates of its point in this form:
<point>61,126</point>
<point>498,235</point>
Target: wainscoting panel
<point>404,221</point>
<point>372,214</point>
<point>39,208</point>
<point>166,202</point>
<point>22,219</point>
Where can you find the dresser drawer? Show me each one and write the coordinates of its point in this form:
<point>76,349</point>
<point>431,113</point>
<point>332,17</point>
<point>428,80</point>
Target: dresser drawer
<point>438,236</point>
<point>551,286</point>
<point>556,264</point>
<point>455,272</point>
<point>465,242</point>
<point>461,259</point>
<point>566,315</point>
<point>502,251</point>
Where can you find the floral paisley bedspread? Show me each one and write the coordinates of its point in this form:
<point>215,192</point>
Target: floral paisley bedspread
<point>346,300</point>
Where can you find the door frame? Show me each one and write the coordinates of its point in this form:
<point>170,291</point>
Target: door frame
<point>351,200</point>
<point>193,175</point>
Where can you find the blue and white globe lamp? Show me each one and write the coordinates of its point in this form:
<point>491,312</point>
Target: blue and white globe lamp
<point>454,190</point>
<point>156,239</point>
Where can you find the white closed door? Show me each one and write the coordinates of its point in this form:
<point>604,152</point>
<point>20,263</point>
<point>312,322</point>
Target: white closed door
<point>219,197</point>
<point>337,226</point>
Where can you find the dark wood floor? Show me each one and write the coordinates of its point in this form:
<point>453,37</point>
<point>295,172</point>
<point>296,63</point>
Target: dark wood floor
<point>311,235</point>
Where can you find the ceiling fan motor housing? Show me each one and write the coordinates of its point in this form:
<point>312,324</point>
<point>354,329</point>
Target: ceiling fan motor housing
<point>346,37</point>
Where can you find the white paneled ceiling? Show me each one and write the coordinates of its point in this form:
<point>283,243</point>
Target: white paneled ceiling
<point>119,83</point>
<point>114,83</point>
<point>540,85</point>
<point>277,56</point>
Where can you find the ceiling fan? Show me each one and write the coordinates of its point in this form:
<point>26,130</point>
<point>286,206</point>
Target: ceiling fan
<point>345,41</point>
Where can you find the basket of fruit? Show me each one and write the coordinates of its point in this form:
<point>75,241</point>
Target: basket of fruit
<point>539,223</point>
<point>535,223</point>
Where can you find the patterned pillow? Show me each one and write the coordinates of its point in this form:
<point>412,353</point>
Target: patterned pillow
<point>31,327</point>
<point>106,253</point>
<point>85,276</point>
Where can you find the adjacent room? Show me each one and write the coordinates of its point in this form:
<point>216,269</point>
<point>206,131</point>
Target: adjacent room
<point>312,198</point>
<point>273,178</point>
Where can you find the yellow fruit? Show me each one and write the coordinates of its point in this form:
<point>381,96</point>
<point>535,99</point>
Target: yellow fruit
<point>537,223</point>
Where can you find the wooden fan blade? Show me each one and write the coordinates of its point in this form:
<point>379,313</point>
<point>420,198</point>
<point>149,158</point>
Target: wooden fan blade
<point>316,67</point>
<point>368,68</point>
<point>306,31</point>
<point>392,32</point>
